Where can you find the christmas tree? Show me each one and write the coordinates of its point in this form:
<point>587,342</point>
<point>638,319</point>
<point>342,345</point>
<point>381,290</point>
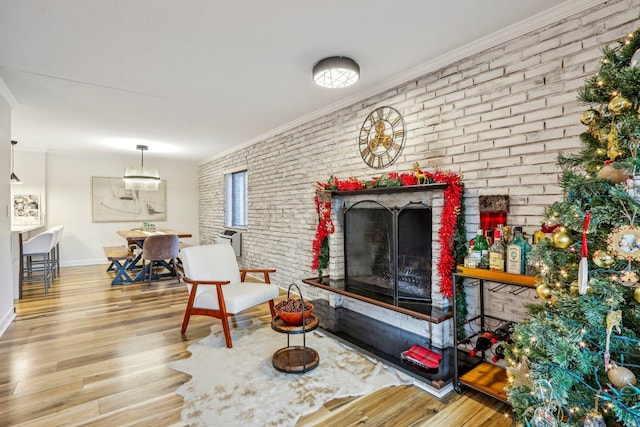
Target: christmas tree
<point>576,360</point>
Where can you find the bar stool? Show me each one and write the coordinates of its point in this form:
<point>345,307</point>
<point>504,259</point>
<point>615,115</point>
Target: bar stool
<point>55,251</point>
<point>38,246</point>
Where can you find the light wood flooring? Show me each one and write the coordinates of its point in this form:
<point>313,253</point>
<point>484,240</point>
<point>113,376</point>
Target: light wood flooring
<point>92,354</point>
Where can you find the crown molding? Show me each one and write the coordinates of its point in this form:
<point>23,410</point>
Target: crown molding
<point>536,22</point>
<point>7,95</point>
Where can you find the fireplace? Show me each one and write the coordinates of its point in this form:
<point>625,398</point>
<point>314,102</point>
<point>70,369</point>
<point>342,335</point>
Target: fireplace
<point>387,253</point>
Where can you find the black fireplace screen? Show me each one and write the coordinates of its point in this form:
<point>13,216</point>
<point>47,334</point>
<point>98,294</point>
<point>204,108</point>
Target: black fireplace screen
<point>388,252</point>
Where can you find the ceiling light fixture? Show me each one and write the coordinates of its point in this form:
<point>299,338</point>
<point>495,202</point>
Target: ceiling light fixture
<point>336,72</point>
<point>14,178</point>
<point>141,178</point>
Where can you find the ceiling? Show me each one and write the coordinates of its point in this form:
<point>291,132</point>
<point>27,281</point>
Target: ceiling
<point>193,79</point>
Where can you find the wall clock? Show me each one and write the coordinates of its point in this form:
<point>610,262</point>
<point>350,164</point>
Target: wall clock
<point>382,137</point>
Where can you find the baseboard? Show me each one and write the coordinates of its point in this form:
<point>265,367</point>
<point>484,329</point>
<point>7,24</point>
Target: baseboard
<point>6,320</point>
<point>80,262</point>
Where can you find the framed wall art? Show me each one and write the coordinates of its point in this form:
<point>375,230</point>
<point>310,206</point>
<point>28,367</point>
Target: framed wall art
<point>111,202</point>
<point>26,209</point>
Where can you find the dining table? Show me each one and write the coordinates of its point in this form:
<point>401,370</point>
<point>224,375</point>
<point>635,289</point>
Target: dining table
<point>135,240</point>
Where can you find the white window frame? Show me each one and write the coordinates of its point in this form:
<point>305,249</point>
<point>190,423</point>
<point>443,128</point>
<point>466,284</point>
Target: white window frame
<point>231,202</point>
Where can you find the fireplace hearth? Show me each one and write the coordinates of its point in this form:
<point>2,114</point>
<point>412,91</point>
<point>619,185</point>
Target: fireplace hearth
<point>387,252</point>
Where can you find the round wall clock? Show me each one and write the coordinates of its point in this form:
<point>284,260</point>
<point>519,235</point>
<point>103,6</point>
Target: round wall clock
<point>382,137</point>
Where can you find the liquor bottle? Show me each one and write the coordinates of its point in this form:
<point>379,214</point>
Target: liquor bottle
<point>517,253</point>
<point>481,248</point>
<point>502,333</point>
<point>488,235</point>
<point>498,353</point>
<point>497,252</point>
<point>482,343</point>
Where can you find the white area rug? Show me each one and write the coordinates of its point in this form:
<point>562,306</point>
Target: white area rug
<point>240,386</point>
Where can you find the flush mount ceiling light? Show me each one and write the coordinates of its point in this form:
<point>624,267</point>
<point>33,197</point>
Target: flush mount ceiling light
<point>141,178</point>
<point>336,72</point>
<point>14,178</point>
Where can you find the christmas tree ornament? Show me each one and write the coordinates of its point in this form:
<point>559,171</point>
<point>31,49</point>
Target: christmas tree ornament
<point>614,320</point>
<point>543,291</point>
<point>618,104</point>
<point>589,117</point>
<point>594,418</point>
<point>603,259</point>
<point>545,415</point>
<point>623,243</point>
<point>613,149</point>
<point>636,294</point>
<point>627,278</point>
<point>520,375</point>
<point>561,238</point>
<point>635,59</point>
<point>583,266</point>
<point>573,288</point>
<point>613,174</point>
<point>621,376</point>
<point>551,225</point>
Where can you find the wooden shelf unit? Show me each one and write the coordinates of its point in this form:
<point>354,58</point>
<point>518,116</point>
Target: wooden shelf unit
<point>485,377</point>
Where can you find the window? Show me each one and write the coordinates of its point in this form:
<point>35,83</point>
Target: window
<point>235,199</point>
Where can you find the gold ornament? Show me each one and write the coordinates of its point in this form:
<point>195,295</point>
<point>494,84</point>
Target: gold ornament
<point>636,294</point>
<point>543,291</point>
<point>562,239</point>
<point>618,104</point>
<point>613,151</point>
<point>589,117</point>
<point>621,376</point>
<point>603,259</point>
<point>615,175</point>
<point>520,374</point>
<point>621,243</point>
<point>627,278</point>
<point>573,288</point>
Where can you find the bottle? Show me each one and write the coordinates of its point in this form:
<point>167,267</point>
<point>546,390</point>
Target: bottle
<point>502,333</point>
<point>481,249</point>
<point>517,253</point>
<point>482,343</point>
<point>498,353</point>
<point>488,235</point>
<point>497,252</point>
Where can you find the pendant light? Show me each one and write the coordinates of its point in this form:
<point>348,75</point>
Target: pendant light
<point>14,178</point>
<point>336,72</point>
<point>141,178</point>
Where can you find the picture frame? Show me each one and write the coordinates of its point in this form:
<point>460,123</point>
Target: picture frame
<point>624,243</point>
<point>26,209</point>
<point>111,202</point>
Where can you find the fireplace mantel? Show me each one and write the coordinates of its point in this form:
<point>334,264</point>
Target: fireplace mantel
<point>390,190</point>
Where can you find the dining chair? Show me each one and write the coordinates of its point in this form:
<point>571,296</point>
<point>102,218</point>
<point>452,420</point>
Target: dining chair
<point>217,287</point>
<point>38,246</point>
<point>158,249</point>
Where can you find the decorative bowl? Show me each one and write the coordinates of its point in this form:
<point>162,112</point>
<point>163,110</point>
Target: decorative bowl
<point>293,318</point>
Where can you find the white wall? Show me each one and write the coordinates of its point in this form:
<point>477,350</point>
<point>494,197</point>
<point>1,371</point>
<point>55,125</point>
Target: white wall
<point>31,167</point>
<point>68,189</point>
<point>6,264</point>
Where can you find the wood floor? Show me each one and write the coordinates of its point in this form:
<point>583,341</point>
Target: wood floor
<point>92,354</point>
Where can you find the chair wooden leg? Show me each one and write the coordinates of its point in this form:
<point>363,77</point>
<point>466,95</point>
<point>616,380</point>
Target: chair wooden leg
<point>227,331</point>
<point>185,322</point>
<point>273,310</point>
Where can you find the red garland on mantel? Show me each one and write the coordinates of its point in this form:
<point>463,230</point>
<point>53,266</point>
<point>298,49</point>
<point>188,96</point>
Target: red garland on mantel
<point>448,222</point>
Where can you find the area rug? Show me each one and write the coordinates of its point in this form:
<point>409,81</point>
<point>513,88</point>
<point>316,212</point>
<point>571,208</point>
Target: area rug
<point>240,386</point>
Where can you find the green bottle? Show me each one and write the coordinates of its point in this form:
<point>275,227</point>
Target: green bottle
<point>517,252</point>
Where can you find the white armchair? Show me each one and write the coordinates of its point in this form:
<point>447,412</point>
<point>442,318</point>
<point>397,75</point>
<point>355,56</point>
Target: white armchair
<point>217,287</point>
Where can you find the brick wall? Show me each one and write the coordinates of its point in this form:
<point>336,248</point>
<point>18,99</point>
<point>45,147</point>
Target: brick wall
<point>499,118</point>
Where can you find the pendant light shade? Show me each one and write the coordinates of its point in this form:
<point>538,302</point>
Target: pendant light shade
<point>14,178</point>
<point>336,72</point>
<point>141,178</point>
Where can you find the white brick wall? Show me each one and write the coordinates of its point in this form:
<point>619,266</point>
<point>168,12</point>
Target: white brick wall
<point>500,117</point>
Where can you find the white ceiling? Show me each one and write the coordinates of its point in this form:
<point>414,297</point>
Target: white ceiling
<point>195,78</point>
